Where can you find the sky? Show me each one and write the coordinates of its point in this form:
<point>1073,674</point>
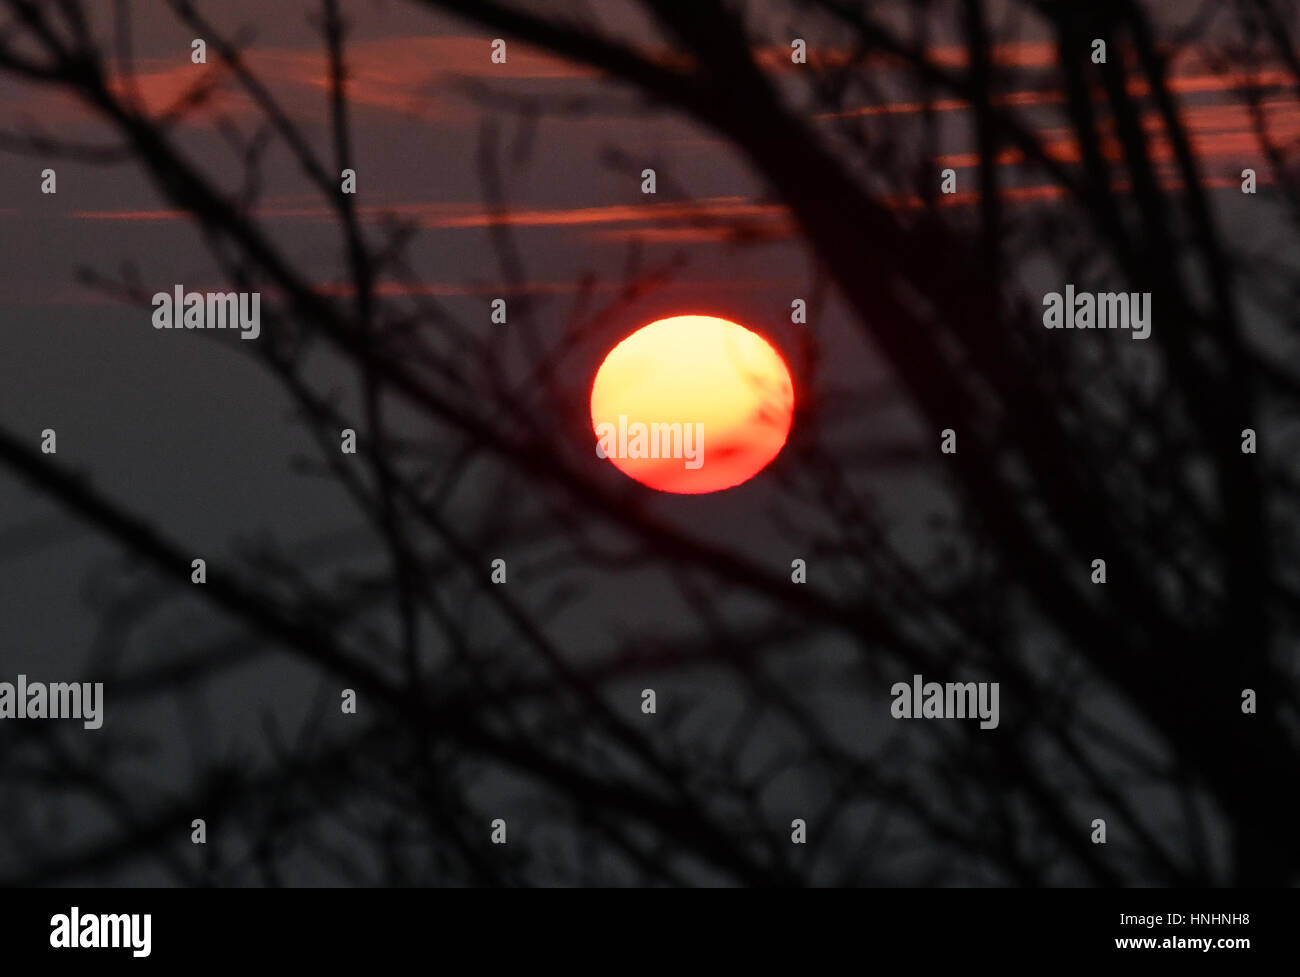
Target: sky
<point>191,432</point>
<point>420,87</point>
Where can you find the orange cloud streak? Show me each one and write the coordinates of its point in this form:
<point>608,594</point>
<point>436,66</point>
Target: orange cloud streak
<point>463,216</point>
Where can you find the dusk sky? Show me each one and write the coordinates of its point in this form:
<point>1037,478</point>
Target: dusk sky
<point>191,432</point>
<point>422,87</point>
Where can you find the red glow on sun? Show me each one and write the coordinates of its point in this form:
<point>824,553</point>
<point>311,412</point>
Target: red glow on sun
<point>692,404</point>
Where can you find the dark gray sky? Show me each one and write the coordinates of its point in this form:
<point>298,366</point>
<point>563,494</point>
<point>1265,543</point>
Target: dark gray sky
<point>189,431</point>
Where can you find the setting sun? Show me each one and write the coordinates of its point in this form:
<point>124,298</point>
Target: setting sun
<point>692,404</point>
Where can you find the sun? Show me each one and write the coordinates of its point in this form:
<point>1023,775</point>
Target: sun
<point>692,404</point>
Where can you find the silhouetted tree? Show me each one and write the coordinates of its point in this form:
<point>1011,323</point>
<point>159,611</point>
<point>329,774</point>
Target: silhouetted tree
<point>1120,701</point>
